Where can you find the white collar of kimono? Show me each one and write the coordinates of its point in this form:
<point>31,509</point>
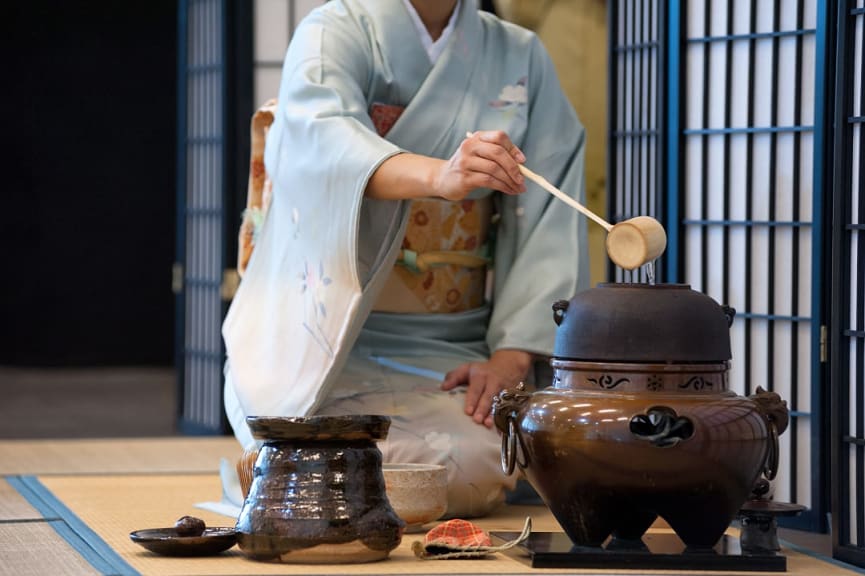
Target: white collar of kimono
<point>435,48</point>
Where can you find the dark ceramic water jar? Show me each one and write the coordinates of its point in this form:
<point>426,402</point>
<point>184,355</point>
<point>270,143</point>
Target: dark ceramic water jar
<point>318,493</point>
<point>638,422</point>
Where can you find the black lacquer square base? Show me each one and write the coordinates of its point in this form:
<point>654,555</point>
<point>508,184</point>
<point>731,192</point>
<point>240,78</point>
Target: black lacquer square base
<point>654,552</point>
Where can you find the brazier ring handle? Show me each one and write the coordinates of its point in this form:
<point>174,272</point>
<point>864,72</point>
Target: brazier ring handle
<point>506,407</point>
<point>770,470</point>
<point>777,417</point>
<point>512,447</point>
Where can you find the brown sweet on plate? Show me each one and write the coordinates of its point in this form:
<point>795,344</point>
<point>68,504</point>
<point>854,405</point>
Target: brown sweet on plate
<point>189,526</point>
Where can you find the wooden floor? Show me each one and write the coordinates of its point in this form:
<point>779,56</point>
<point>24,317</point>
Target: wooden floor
<point>135,402</point>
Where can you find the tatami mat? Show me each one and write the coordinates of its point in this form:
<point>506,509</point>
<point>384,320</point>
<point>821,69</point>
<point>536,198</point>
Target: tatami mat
<point>104,489</point>
<point>110,456</point>
<point>37,549</point>
<point>113,506</point>
<point>13,506</point>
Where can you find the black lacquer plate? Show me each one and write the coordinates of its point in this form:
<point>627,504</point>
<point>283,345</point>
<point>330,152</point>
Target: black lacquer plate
<point>652,552</point>
<point>167,542</point>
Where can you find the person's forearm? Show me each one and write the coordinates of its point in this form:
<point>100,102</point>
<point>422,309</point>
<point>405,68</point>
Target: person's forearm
<point>404,177</point>
<point>482,160</point>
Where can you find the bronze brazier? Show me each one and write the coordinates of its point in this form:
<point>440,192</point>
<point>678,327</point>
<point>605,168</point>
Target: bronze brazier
<point>638,422</point>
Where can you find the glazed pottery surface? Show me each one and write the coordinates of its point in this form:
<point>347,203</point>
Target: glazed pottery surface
<point>318,493</point>
<point>618,441</point>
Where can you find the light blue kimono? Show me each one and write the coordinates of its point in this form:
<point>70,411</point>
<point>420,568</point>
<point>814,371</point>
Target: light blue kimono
<point>299,335</point>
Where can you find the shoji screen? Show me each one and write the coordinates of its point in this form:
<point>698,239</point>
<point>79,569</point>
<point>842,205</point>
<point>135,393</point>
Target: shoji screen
<point>713,132</point>
<point>746,197</point>
<point>635,175</point>
<point>198,274</point>
<point>848,288</point>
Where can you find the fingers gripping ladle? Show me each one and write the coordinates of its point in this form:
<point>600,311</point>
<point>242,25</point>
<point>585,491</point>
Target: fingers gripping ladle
<point>630,243</point>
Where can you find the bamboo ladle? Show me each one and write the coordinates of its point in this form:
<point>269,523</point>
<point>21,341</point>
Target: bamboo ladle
<point>630,243</point>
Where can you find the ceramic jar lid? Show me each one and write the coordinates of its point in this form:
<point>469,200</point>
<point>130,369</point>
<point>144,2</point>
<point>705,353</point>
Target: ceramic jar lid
<point>348,428</point>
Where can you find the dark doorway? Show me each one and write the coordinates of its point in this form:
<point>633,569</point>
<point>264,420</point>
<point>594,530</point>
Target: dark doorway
<point>88,231</point>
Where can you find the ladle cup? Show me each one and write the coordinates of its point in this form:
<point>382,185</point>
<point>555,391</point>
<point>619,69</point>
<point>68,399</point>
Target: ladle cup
<point>630,243</point>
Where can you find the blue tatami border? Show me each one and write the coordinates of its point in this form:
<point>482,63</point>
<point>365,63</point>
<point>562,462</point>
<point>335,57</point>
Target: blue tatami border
<point>70,527</point>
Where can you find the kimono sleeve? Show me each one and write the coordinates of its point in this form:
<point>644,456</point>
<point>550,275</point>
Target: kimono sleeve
<point>324,114</point>
<point>293,320</point>
<point>541,244</point>
<point>327,140</point>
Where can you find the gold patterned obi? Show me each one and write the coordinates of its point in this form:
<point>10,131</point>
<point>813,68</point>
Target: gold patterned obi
<point>442,266</point>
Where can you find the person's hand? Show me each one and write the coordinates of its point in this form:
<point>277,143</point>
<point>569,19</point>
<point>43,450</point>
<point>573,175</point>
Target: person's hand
<point>486,159</point>
<point>504,369</point>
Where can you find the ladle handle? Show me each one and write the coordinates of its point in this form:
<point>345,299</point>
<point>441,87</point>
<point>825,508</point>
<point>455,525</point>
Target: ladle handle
<point>542,182</point>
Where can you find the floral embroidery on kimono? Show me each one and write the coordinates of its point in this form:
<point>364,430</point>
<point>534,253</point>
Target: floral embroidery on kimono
<point>512,95</point>
<point>313,285</point>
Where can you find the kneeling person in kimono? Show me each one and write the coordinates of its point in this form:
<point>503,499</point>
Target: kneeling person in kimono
<point>402,268</point>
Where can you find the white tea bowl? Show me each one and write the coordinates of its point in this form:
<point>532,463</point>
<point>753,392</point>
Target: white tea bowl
<point>418,493</point>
